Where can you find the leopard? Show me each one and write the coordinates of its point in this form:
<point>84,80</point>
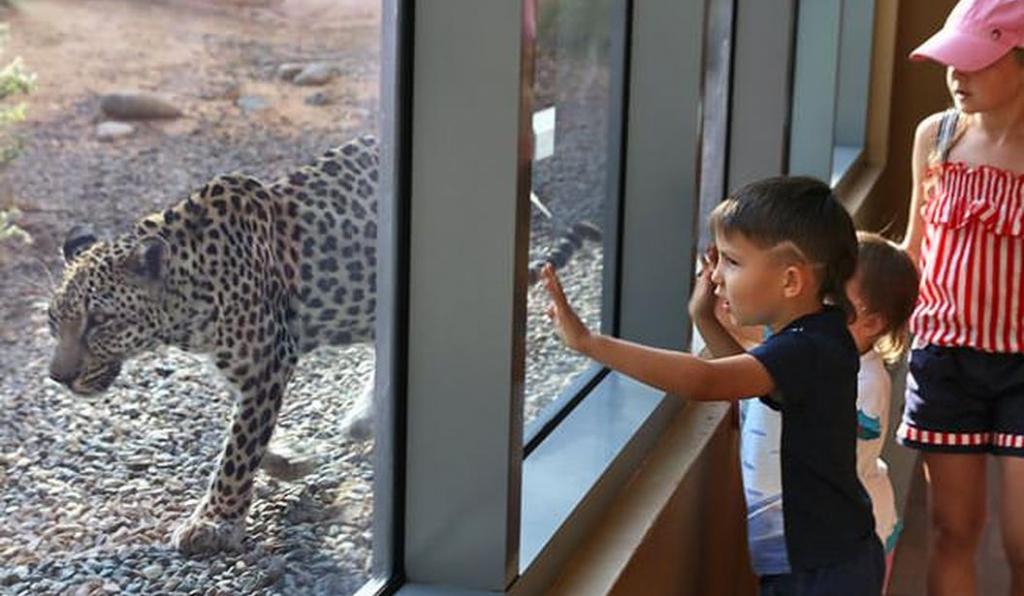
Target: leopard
<point>252,275</point>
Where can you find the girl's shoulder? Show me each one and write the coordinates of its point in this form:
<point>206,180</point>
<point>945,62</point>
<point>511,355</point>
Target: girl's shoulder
<point>926,139</point>
<point>928,129</point>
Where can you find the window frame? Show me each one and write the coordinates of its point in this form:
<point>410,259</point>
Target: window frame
<point>464,385</point>
<point>390,378</point>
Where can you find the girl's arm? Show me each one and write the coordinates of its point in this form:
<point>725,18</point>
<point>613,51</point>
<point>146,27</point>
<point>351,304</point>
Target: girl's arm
<point>924,143</point>
<point>678,373</point>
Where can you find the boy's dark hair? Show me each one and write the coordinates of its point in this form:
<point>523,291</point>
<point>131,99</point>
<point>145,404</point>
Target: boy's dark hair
<point>804,213</point>
<point>888,282</point>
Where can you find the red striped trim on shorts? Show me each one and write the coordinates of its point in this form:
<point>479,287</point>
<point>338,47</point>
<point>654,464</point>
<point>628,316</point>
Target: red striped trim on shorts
<point>932,437</point>
<point>1008,440</point>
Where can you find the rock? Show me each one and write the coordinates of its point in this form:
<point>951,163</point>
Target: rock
<point>110,131</point>
<point>229,90</point>
<point>314,74</point>
<point>287,466</point>
<point>274,569</point>
<point>138,105</point>
<point>289,70</point>
<point>88,588</point>
<point>252,103</point>
<point>139,463</point>
<point>9,578</point>
<point>317,99</point>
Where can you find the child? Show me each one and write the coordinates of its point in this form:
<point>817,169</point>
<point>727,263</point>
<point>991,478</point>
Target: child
<point>786,248</point>
<point>883,292</point>
<point>965,392</point>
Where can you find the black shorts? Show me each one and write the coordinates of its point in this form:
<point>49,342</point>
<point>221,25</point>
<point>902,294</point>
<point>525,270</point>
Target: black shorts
<point>862,575</point>
<point>962,400</point>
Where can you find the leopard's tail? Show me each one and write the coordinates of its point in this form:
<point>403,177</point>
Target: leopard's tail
<point>565,248</point>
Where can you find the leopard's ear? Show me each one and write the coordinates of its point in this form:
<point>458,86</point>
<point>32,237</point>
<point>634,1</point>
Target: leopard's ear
<point>78,239</point>
<point>147,263</point>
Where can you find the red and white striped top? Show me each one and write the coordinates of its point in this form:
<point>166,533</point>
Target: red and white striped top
<point>972,258</point>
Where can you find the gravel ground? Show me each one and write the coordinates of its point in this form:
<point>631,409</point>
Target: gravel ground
<point>91,488</point>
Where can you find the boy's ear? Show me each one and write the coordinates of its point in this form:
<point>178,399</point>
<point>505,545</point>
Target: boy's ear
<point>794,281</point>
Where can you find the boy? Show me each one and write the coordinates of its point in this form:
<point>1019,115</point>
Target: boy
<point>785,250</point>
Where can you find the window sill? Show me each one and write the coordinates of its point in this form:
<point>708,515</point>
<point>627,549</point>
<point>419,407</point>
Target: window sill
<point>844,160</point>
<point>857,184</point>
<point>573,477</point>
<point>593,450</point>
<point>602,564</point>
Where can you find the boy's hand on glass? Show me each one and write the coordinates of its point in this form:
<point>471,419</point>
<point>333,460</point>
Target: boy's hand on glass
<point>703,299</point>
<point>568,326</point>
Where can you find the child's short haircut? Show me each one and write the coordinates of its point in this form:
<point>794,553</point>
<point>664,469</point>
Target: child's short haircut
<point>803,214</point>
<point>887,279</point>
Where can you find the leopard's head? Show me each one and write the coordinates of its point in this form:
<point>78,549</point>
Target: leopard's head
<point>107,308</point>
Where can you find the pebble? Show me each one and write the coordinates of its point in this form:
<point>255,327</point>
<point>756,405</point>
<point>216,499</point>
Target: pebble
<point>315,74</point>
<point>252,103</point>
<point>111,131</point>
<point>138,105</point>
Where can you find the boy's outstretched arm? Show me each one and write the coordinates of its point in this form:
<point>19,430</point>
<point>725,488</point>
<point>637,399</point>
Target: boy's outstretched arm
<point>678,373</point>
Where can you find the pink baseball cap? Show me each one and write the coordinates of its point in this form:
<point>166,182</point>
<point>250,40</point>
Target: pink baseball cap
<point>976,34</point>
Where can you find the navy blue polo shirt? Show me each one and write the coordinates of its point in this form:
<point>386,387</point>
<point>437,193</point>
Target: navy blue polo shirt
<point>813,363</point>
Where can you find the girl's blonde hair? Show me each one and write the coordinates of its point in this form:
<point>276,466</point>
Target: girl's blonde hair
<point>887,280</point>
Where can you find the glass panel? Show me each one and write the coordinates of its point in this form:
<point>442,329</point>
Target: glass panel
<point>715,129</point>
<point>575,175</point>
<point>815,85</point>
<point>853,86</point>
<point>135,105</point>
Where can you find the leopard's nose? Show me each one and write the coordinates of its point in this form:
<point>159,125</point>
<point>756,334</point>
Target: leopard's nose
<point>64,376</point>
<point>63,379</point>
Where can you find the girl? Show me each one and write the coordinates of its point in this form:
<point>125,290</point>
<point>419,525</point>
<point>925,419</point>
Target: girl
<point>965,393</point>
<point>883,292</point>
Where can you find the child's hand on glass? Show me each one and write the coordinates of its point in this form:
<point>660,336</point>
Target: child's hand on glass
<point>703,299</point>
<point>568,326</point>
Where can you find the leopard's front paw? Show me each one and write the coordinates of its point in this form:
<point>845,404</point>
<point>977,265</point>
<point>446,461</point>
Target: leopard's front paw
<point>201,534</point>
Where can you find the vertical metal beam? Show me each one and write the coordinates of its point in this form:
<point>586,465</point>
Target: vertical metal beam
<point>392,292</point>
<point>469,212</point>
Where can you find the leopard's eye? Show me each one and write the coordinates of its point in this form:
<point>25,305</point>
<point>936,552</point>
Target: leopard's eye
<point>96,319</point>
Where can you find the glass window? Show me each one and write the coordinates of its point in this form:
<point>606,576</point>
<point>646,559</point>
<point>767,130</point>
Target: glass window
<point>134,106</point>
<point>830,87</point>
<point>854,78</point>
<point>577,106</point>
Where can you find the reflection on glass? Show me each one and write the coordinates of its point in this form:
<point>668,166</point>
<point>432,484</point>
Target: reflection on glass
<point>573,152</point>
<point>134,106</point>
<point>717,54</point>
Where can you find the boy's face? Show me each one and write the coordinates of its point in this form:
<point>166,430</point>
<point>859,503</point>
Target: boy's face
<point>750,279</point>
